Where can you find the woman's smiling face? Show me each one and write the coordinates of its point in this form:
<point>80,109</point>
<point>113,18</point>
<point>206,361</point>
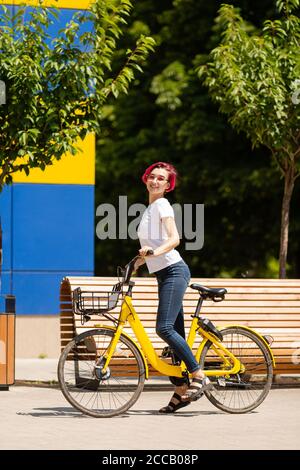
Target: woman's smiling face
<point>158,181</point>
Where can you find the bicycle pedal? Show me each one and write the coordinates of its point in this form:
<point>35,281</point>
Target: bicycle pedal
<point>221,382</point>
<point>166,352</point>
<point>196,398</point>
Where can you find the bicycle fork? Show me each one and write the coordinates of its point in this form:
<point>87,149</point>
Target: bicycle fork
<point>111,349</point>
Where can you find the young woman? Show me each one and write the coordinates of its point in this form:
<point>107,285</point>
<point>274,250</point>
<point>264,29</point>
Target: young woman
<point>157,231</point>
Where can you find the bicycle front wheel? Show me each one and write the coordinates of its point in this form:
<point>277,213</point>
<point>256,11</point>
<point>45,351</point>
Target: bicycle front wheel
<point>244,391</point>
<point>89,389</point>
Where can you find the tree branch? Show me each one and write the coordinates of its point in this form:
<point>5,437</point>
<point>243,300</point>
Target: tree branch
<point>8,169</point>
<point>296,154</point>
<point>5,172</point>
<point>281,166</point>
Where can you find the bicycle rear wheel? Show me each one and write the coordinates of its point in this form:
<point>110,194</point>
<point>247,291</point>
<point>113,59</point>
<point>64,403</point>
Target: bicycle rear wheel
<point>244,391</point>
<point>87,388</point>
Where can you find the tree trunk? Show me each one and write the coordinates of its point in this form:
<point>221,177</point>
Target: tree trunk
<point>289,180</point>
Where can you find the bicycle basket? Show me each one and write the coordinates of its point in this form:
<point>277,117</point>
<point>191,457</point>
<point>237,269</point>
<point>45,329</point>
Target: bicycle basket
<point>87,302</point>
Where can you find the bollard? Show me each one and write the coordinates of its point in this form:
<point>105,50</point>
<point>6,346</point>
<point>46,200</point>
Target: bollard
<point>7,343</point>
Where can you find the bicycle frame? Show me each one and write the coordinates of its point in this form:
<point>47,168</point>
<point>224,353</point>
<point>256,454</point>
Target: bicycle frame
<point>129,314</point>
<point>93,379</point>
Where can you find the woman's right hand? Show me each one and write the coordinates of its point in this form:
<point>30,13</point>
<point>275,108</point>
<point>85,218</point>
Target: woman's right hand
<point>146,251</point>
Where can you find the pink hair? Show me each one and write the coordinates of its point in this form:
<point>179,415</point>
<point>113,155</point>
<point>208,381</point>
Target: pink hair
<point>166,166</point>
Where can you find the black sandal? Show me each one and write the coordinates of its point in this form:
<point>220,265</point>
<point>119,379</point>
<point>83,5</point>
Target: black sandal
<point>197,389</point>
<point>172,407</point>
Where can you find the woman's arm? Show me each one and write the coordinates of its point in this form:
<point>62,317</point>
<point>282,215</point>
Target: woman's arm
<point>173,236</point>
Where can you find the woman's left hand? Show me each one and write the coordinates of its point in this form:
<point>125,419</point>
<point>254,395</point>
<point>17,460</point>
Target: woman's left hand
<point>144,250</point>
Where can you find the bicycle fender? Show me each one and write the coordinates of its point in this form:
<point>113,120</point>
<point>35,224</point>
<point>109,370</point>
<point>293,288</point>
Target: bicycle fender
<point>259,336</point>
<point>134,342</point>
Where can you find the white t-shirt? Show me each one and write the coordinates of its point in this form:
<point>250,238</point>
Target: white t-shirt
<point>151,232</point>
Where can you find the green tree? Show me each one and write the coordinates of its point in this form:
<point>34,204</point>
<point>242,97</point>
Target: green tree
<point>56,90</point>
<point>166,116</point>
<point>253,77</point>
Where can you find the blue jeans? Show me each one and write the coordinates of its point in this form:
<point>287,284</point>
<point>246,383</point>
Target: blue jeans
<point>172,283</point>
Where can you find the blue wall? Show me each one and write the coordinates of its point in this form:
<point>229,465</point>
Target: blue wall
<point>47,234</point>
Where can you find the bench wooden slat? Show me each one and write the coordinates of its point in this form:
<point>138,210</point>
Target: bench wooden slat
<point>271,306</point>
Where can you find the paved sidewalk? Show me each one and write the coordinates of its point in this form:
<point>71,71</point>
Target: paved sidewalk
<point>45,370</point>
<point>40,418</point>
<point>40,370</point>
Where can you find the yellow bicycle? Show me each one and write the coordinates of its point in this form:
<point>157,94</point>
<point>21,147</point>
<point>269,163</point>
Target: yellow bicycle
<point>102,371</point>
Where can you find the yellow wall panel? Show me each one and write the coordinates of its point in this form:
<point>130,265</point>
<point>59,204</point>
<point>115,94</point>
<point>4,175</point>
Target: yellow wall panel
<point>79,169</point>
<point>76,4</point>
<point>71,169</point>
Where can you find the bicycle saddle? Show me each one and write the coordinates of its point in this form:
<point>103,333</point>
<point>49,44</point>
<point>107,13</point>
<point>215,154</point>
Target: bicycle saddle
<point>207,292</point>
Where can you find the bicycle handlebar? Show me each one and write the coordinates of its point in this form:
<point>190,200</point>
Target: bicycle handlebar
<point>130,266</point>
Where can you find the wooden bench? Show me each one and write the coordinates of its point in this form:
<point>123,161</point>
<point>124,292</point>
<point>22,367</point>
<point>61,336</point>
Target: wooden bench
<point>271,306</point>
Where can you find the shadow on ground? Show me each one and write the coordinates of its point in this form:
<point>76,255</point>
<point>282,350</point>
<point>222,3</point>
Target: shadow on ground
<point>73,413</point>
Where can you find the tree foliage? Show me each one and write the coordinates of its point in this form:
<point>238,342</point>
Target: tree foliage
<point>56,89</point>
<point>166,116</point>
<point>252,76</point>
